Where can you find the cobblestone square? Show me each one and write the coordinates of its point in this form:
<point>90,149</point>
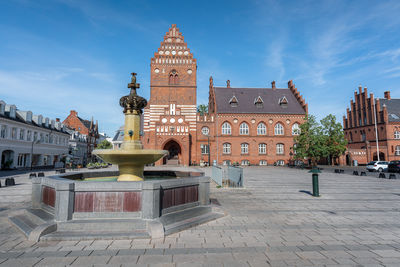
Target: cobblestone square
<point>273,221</point>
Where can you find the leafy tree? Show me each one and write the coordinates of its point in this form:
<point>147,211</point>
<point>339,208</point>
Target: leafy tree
<point>104,145</point>
<point>310,142</point>
<point>334,137</point>
<point>202,109</point>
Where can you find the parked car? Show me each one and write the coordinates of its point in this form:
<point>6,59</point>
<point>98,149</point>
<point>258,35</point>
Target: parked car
<point>394,166</point>
<point>379,166</point>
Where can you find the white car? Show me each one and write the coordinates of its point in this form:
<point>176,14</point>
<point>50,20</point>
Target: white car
<point>379,166</point>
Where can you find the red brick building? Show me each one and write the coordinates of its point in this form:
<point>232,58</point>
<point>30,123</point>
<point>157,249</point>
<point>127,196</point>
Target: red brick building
<point>244,125</point>
<point>85,127</point>
<point>359,128</point>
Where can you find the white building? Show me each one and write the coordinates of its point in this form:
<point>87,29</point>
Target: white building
<point>118,138</point>
<point>77,147</point>
<point>30,140</point>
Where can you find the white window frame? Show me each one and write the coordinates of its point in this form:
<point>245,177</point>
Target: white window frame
<point>295,129</point>
<point>261,129</point>
<point>226,128</point>
<point>244,129</point>
<point>226,148</point>
<point>3,133</point>
<point>205,130</point>
<point>244,148</point>
<point>262,148</point>
<point>263,162</point>
<point>397,135</point>
<point>245,162</point>
<point>278,129</point>
<point>280,149</point>
<point>204,149</point>
<point>397,151</point>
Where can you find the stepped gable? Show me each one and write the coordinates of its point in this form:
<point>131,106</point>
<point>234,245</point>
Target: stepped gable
<point>173,47</point>
<point>274,101</point>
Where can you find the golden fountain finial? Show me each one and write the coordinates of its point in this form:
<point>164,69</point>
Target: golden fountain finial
<point>133,102</point>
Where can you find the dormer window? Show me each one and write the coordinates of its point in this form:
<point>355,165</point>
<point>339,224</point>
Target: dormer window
<point>283,102</point>
<point>258,102</point>
<point>233,101</point>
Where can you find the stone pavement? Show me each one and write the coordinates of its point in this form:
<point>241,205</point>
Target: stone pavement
<point>272,222</point>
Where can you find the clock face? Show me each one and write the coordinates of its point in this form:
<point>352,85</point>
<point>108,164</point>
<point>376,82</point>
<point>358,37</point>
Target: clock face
<point>189,71</point>
<point>173,52</point>
<point>156,70</point>
<point>205,130</point>
<point>172,120</point>
<point>164,120</point>
<point>180,120</point>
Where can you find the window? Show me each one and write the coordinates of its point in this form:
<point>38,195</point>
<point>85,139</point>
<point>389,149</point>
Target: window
<point>233,101</point>
<point>397,135</point>
<point>47,138</point>
<point>226,128</point>
<point>35,136</point>
<point>397,151</point>
<point>41,138</point>
<point>204,149</point>
<point>226,162</point>
<point>205,130</point>
<point>278,129</point>
<point>261,129</point>
<point>262,148</point>
<point>280,163</point>
<point>173,77</point>
<point>21,134</point>
<point>295,129</point>
<point>226,148</point>
<point>245,162</point>
<point>279,149</point>
<point>244,129</point>
<point>29,135</point>
<point>263,163</point>
<point>14,133</point>
<point>244,148</point>
<point>3,132</point>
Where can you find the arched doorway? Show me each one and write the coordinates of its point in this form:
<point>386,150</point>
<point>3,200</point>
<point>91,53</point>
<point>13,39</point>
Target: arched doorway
<point>348,160</point>
<point>7,158</point>
<point>381,156</point>
<point>174,155</point>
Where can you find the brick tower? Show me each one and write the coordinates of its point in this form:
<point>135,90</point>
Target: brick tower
<point>170,116</point>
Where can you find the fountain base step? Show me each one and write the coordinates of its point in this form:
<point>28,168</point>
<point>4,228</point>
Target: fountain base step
<point>33,223</point>
<point>77,235</point>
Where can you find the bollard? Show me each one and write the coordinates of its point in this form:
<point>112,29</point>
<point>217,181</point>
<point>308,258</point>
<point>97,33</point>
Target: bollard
<point>355,172</point>
<point>315,183</point>
<point>10,182</point>
<point>363,174</point>
<point>41,174</point>
<point>33,174</point>
<point>392,176</point>
<point>382,175</point>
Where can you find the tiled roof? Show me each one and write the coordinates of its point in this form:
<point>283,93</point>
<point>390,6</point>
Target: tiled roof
<point>246,98</point>
<point>393,108</point>
<point>85,122</point>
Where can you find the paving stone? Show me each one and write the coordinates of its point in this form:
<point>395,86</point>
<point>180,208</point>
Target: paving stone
<point>78,253</point>
<point>151,259</point>
<point>20,262</point>
<point>124,259</point>
<point>56,261</point>
<point>387,253</point>
<point>90,260</point>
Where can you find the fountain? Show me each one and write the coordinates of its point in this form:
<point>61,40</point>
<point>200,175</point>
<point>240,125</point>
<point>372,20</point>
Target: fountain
<point>86,205</point>
<point>131,158</point>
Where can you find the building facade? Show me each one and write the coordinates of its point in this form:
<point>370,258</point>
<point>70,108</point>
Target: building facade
<point>84,127</point>
<point>243,125</point>
<point>28,140</point>
<point>361,134</point>
<point>77,148</point>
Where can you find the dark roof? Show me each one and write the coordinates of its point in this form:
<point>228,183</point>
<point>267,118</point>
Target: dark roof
<point>86,123</point>
<point>393,108</point>
<point>119,135</point>
<point>246,100</point>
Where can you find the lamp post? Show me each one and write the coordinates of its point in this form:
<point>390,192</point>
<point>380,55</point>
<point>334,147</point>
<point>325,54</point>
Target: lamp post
<point>33,142</point>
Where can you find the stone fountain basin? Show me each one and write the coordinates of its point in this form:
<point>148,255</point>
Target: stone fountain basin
<point>64,207</point>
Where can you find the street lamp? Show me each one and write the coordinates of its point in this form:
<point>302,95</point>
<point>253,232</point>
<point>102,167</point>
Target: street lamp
<point>33,142</point>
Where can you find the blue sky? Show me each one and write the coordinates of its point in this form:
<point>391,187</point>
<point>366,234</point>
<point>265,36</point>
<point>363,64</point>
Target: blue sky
<point>60,55</point>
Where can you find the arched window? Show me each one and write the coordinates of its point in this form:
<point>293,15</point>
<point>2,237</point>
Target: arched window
<point>397,151</point>
<point>280,149</point>
<point>397,135</point>
<point>244,129</point>
<point>244,147</point>
<point>173,77</point>
<point>261,129</point>
<point>295,129</point>
<point>262,148</point>
<point>226,148</point>
<point>226,128</point>
<point>278,129</point>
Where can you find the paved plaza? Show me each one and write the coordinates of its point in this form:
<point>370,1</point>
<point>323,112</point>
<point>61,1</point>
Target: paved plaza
<point>273,221</point>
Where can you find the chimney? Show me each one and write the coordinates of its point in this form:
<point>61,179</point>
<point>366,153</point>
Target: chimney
<point>73,113</point>
<point>228,84</point>
<point>387,95</point>
<point>57,119</point>
<point>273,85</point>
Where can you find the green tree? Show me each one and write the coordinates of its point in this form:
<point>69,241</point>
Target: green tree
<point>104,145</point>
<point>202,109</point>
<point>334,137</point>
<point>310,142</point>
